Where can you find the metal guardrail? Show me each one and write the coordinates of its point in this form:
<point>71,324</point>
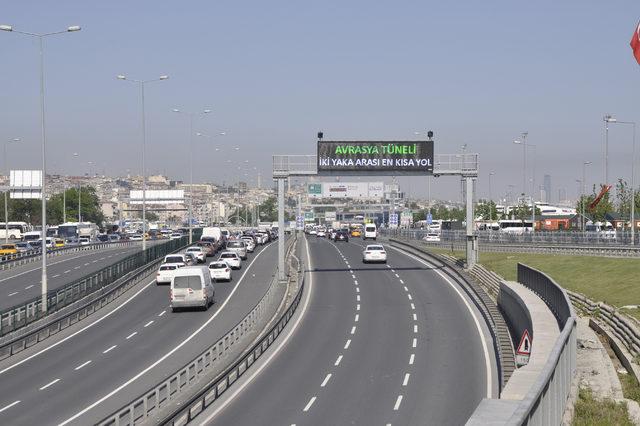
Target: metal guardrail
<point>25,313</point>
<point>155,399</point>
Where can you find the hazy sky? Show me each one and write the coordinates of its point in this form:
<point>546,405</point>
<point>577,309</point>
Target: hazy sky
<point>274,73</point>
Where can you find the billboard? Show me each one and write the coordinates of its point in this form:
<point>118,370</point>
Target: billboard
<point>375,157</point>
<point>157,196</point>
<point>25,184</point>
<point>347,190</point>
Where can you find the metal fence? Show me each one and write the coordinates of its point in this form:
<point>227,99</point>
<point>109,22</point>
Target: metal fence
<point>177,384</point>
<point>26,313</point>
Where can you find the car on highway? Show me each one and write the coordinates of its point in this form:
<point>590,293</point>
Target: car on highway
<point>6,249</point>
<point>432,237</point>
<point>250,242</point>
<point>321,233</point>
<point>198,252</point>
<point>356,233</point>
<point>58,243</point>
<point>208,247</point>
<point>166,272</point>
<point>175,236</point>
<point>239,247</point>
<point>313,231</point>
<point>24,247</point>
<point>103,238</point>
<point>341,235</point>
<point>175,258</point>
<point>84,241</point>
<point>370,232</point>
<point>220,271</point>
<point>135,237</point>
<point>374,253</point>
<point>191,287</point>
<point>231,258</point>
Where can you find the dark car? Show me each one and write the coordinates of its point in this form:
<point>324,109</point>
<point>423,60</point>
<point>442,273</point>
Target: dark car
<point>103,238</point>
<point>208,247</point>
<point>341,235</point>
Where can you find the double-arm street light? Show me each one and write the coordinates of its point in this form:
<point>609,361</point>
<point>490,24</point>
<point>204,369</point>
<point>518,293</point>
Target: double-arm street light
<point>523,141</point>
<point>191,115</point>
<point>141,83</point>
<point>43,137</point>
<point>6,207</point>
<point>612,120</point>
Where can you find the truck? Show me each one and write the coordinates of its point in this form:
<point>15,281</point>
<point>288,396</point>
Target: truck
<point>213,232</point>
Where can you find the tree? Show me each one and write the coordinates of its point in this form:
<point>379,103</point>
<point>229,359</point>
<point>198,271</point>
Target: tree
<point>487,210</point>
<point>623,195</point>
<point>90,206</point>
<point>598,213</point>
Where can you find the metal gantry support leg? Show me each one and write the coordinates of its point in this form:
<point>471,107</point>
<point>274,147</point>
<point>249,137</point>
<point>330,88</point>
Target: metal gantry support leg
<point>472,241</point>
<point>281,272</point>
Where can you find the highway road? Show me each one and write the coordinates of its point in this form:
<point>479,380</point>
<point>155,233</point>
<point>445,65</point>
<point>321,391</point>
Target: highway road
<point>17,285</point>
<point>113,358</point>
<point>377,345</point>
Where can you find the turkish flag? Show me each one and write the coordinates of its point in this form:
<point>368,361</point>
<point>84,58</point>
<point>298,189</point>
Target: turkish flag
<point>635,43</point>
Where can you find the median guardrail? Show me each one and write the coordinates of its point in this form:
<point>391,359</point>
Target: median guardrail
<point>26,313</point>
<point>150,403</point>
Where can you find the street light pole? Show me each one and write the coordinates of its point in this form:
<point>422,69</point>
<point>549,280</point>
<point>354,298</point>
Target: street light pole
<point>607,119</point>
<point>44,145</point>
<point>75,154</point>
<point>144,149</point>
<point>6,206</point>
<point>584,179</point>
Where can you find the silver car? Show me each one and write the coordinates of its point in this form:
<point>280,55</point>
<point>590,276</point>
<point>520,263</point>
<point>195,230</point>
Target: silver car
<point>239,247</point>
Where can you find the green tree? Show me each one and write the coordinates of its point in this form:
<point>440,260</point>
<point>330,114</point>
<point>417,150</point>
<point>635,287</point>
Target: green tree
<point>90,206</point>
<point>487,210</point>
<point>623,196</point>
<point>598,213</point>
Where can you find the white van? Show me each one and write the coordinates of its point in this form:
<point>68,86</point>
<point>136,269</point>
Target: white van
<point>175,258</point>
<point>191,287</point>
<point>370,231</point>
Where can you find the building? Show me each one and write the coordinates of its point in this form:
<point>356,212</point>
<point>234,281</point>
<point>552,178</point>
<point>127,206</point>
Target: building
<point>547,188</point>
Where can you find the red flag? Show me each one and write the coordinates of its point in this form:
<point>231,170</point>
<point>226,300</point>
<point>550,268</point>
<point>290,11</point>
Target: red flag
<point>635,43</point>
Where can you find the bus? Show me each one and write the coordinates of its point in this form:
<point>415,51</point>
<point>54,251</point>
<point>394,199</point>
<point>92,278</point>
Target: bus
<point>75,230</point>
<point>15,229</point>
<point>515,226</point>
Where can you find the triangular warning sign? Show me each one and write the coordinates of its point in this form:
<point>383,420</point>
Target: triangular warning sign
<point>524,348</point>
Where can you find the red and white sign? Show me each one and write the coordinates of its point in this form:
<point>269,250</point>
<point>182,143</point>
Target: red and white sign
<point>635,43</point>
<point>524,349</point>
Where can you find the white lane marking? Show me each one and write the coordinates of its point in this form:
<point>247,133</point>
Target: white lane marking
<point>67,271</point>
<point>354,277</point>
<point>110,349</point>
<point>346,345</point>
<point>409,296</point>
<point>413,307</point>
<point>326,379</point>
<point>357,317</point>
<point>411,359</point>
<point>86,264</point>
<point>401,282</point>
<point>13,294</point>
<point>358,307</point>
<point>95,261</point>
<point>148,324</point>
<point>131,335</point>
<point>406,379</point>
<point>55,276</point>
<point>388,266</point>
<point>77,267</point>
<point>405,288</point>
<point>9,406</point>
<point>358,297</point>
<point>393,270</point>
<point>485,348</point>
<point>357,290</point>
<point>415,328</point>
<point>415,342</point>
<point>82,365</point>
<point>28,287</point>
<point>337,363</point>
<point>398,401</point>
<point>397,276</point>
<point>49,384</point>
<point>172,351</point>
<point>162,313</point>
<point>353,330</point>
<point>309,404</point>
<point>415,317</point>
<point>102,258</point>
<point>356,282</point>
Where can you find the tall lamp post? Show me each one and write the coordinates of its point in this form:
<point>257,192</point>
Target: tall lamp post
<point>610,119</point>
<point>44,145</point>
<point>523,141</point>
<point>490,197</point>
<point>191,115</point>
<point>141,83</point>
<point>75,154</point>
<point>607,119</point>
<point>6,206</point>
<point>584,180</point>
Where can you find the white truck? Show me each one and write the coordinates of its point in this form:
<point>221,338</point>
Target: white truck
<point>212,232</point>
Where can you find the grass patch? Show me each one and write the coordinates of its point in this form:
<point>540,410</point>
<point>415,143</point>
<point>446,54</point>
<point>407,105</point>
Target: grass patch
<point>630,387</point>
<point>590,411</point>
<point>610,280</point>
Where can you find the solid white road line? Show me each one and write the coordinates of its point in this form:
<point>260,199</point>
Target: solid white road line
<point>131,335</point>
<point>82,365</point>
<point>162,313</point>
<point>406,379</point>
<point>346,345</point>
<point>148,324</point>
<point>398,401</point>
<point>110,349</point>
<point>326,379</point>
<point>9,406</point>
<point>337,363</point>
<point>309,404</point>
<point>50,384</point>
<point>168,354</point>
<point>411,359</point>
<point>485,348</point>
<point>353,330</point>
<point>415,342</point>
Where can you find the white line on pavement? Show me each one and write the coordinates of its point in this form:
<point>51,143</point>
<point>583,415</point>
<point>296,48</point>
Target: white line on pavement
<point>406,379</point>
<point>397,276</point>
<point>413,307</point>
<point>401,282</point>
<point>353,330</point>
<point>309,404</point>
<point>110,349</point>
<point>415,328</point>
<point>82,365</point>
<point>86,264</point>
<point>398,401</point>
<point>415,342</point>
<point>357,290</point>
<point>409,296</point>
<point>356,282</point>
<point>358,307</point>
<point>354,277</point>
<point>337,363</point>
<point>162,313</point>
<point>13,294</point>
<point>131,335</point>
<point>346,345</point>
<point>55,276</point>
<point>148,324</point>
<point>28,287</point>
<point>326,379</point>
<point>411,359</point>
<point>358,297</point>
<point>9,406</point>
<point>50,384</point>
<point>405,288</point>
<point>357,317</point>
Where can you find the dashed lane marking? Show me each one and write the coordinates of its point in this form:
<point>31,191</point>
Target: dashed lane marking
<point>49,384</point>
<point>28,287</point>
<point>131,335</point>
<point>309,404</point>
<point>353,330</point>
<point>82,365</point>
<point>148,324</point>
<point>397,404</point>
<point>9,406</point>
<point>13,294</point>
<point>401,282</point>
<point>409,296</point>
<point>357,317</point>
<point>415,328</point>
<point>110,349</point>
<point>162,313</point>
<point>412,358</point>
<point>406,379</point>
<point>337,363</point>
<point>326,379</point>
<point>415,342</point>
<point>415,317</point>
<point>67,271</point>
<point>346,345</point>
<point>413,307</point>
<point>358,307</point>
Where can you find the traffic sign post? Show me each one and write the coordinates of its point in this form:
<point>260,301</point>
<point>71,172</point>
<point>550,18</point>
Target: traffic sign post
<point>524,349</point>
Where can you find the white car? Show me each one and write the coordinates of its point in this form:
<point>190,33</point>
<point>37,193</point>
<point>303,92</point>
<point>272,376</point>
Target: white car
<point>166,272</point>
<point>84,241</point>
<point>374,253</point>
<point>198,252</point>
<point>251,245</point>
<point>321,233</point>
<point>136,237</point>
<point>313,232</point>
<point>220,271</point>
<point>432,237</point>
<point>231,258</point>
<point>175,236</point>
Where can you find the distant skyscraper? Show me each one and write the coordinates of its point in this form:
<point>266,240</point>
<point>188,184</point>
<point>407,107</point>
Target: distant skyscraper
<point>547,188</point>
<point>562,194</point>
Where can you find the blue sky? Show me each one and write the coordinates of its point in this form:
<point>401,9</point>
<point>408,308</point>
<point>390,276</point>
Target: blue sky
<point>274,73</point>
